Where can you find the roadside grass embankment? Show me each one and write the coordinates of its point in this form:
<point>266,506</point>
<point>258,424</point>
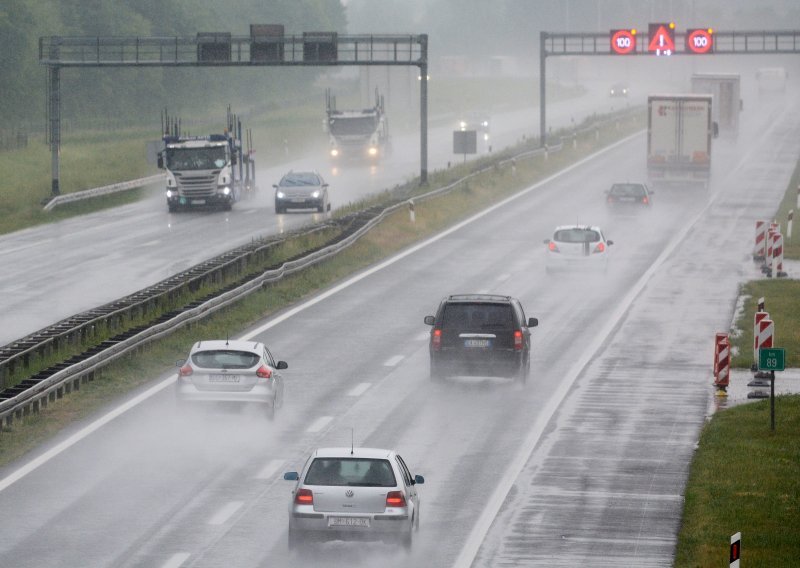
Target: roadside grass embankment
<point>392,235</point>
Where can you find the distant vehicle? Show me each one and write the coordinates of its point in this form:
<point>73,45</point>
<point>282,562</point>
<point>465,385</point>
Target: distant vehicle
<point>480,334</point>
<point>771,80</point>
<point>353,494</point>
<point>301,190</point>
<point>629,196</point>
<point>477,121</point>
<point>679,133</point>
<point>727,103</point>
<point>577,247</point>
<point>360,135</point>
<point>618,90</point>
<point>231,371</point>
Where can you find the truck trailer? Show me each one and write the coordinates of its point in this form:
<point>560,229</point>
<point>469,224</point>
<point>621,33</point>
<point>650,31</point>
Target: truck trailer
<point>679,133</point>
<point>359,134</point>
<point>207,171</point>
<point>727,104</point>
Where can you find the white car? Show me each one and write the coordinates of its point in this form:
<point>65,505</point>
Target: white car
<point>575,247</point>
<point>231,371</point>
<point>353,494</point>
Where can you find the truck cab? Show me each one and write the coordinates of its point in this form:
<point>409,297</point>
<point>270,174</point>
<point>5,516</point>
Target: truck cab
<point>359,134</point>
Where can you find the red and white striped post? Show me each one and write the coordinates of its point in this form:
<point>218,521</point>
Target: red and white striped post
<point>722,362</point>
<point>759,317</point>
<point>777,256</point>
<point>766,268</point>
<point>764,340</point>
<point>760,249</point>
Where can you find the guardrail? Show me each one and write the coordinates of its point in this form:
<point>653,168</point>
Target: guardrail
<point>105,190</point>
<point>70,375</point>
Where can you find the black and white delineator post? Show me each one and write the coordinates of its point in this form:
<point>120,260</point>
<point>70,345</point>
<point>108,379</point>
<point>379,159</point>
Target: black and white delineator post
<point>736,550</point>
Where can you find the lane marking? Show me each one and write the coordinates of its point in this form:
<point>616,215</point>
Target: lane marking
<point>269,469</point>
<point>394,361</point>
<point>359,389</point>
<point>319,423</point>
<point>176,560</point>
<point>225,513</point>
<point>47,456</point>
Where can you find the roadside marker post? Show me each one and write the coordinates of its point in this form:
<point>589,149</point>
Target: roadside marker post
<point>760,249</point>
<point>763,339</point>
<point>722,363</point>
<point>411,213</point>
<point>789,220</point>
<point>777,256</point>
<point>736,550</point>
<point>766,267</point>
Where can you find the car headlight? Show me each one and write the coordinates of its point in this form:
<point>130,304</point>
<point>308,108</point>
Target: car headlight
<point>373,151</point>
<point>170,193</point>
<point>334,152</point>
<point>315,194</point>
<point>226,191</point>
<point>462,125</point>
<point>280,195</point>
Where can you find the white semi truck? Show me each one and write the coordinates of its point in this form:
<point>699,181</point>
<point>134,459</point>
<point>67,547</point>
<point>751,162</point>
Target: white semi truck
<point>679,133</point>
<point>358,134</point>
<point>207,171</point>
<point>727,104</point>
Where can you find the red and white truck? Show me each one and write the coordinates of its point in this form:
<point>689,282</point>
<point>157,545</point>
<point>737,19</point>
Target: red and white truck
<point>679,133</point>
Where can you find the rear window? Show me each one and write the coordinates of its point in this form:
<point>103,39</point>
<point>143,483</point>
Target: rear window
<point>577,236</point>
<point>225,359</point>
<point>627,190</point>
<point>353,472</point>
<point>477,316</point>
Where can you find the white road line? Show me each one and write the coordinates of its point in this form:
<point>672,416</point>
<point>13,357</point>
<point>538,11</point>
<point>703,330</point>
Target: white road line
<point>269,470</point>
<point>225,513</point>
<point>176,560</point>
<point>503,277</point>
<point>319,423</point>
<point>152,243</point>
<point>47,456</point>
<point>359,389</point>
<point>394,361</point>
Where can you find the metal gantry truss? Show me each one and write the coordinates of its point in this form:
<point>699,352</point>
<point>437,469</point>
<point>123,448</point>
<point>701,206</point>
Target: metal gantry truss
<point>757,42</point>
<point>224,50</point>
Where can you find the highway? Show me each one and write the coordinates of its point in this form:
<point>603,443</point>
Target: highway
<point>584,465</point>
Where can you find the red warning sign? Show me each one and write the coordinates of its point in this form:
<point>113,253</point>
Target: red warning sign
<point>662,39</point>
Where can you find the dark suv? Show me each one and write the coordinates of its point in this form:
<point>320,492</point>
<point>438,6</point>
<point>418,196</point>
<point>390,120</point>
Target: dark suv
<point>480,334</point>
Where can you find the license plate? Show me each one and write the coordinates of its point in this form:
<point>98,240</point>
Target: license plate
<point>348,522</point>
<point>298,200</point>
<point>477,343</point>
<point>223,378</point>
<point>198,201</point>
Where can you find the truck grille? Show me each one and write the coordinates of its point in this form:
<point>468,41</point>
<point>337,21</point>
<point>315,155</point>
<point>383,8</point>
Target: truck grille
<point>197,185</point>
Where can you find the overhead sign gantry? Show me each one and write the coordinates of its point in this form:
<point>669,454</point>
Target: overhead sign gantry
<point>661,40</point>
<point>265,46</point>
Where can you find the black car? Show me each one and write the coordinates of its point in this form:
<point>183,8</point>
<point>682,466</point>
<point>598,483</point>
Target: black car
<point>480,334</point>
<point>629,195</point>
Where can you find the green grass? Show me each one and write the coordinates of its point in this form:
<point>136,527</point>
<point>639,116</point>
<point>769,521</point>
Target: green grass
<point>791,246</point>
<point>745,478</point>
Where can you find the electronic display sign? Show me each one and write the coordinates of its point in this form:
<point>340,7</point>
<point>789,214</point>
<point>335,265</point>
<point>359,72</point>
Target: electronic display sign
<point>700,40</point>
<point>662,39</point>
<point>623,42</point>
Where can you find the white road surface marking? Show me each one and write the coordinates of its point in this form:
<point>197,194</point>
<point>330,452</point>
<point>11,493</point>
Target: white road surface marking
<point>269,470</point>
<point>176,560</point>
<point>319,423</point>
<point>359,389</point>
<point>225,513</point>
<point>394,361</point>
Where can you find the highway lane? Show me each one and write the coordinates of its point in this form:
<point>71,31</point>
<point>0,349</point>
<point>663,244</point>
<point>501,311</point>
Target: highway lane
<point>156,488</point>
<point>63,268</point>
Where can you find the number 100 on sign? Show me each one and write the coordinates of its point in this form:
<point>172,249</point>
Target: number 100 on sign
<point>623,42</point>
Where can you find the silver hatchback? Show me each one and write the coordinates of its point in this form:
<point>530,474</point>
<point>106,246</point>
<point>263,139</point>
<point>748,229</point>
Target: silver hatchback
<point>231,371</point>
<point>353,494</point>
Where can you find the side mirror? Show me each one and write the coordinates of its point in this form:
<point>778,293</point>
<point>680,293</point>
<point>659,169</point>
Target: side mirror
<point>715,129</point>
<point>291,476</point>
<point>275,185</point>
<point>419,480</point>
<point>282,365</point>
<point>324,185</point>
<point>233,159</point>
<point>546,241</point>
<point>160,162</point>
<point>609,243</point>
<point>180,362</point>
<point>533,322</point>
<point>429,320</point>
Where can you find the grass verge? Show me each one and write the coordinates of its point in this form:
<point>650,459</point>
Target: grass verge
<point>745,478</point>
<point>392,235</point>
<point>791,246</point>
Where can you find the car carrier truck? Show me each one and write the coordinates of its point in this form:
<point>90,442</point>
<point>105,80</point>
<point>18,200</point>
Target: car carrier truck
<point>207,171</point>
<point>357,135</point>
<point>727,103</point>
<point>679,133</point>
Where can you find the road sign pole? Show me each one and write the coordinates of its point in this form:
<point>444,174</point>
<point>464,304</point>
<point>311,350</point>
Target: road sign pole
<point>772,400</point>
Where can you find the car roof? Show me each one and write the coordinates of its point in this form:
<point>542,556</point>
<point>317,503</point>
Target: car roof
<point>229,344</point>
<point>478,298</point>
<point>347,452</point>
<point>584,227</point>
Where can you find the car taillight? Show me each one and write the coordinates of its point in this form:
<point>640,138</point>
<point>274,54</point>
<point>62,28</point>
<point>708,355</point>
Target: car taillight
<point>601,247</point>
<point>264,372</point>
<point>304,497</point>
<point>185,371</point>
<point>610,199</point>
<point>552,246</point>
<point>395,499</point>
<point>645,200</point>
<point>517,340</point>
<point>436,339</point>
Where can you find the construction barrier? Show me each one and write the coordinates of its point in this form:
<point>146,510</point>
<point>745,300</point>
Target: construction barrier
<point>760,249</point>
<point>722,361</point>
<point>759,317</point>
<point>766,267</point>
<point>777,256</point>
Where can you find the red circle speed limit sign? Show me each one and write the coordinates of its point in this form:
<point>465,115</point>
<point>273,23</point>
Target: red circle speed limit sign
<point>699,41</point>
<point>623,42</point>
